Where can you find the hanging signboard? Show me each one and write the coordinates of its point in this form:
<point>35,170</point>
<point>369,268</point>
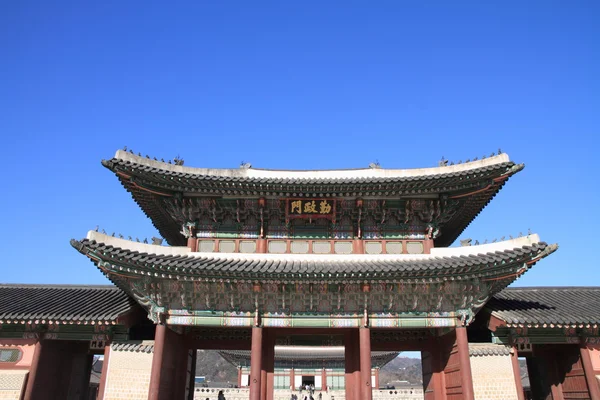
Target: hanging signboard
<point>310,208</point>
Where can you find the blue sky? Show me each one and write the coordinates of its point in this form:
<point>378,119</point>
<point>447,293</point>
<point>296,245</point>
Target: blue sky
<point>296,85</point>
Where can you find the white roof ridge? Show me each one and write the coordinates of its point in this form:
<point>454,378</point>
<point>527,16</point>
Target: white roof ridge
<point>313,174</point>
<point>436,253</point>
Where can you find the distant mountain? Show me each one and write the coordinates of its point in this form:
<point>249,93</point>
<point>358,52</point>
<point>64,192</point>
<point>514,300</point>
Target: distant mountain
<point>211,365</point>
<point>401,369</point>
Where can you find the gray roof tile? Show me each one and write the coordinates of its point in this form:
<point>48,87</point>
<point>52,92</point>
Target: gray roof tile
<point>488,349</point>
<point>138,346</point>
<point>547,305</point>
<point>20,302</point>
<point>237,266</point>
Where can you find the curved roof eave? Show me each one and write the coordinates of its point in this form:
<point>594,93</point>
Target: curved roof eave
<point>337,174</point>
<point>180,262</point>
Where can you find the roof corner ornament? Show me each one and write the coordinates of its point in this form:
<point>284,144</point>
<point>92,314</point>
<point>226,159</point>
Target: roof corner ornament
<point>465,242</point>
<point>178,161</point>
<point>156,314</point>
<point>245,165</point>
<point>375,165</point>
<point>157,241</point>
<point>466,316</point>
<point>188,229</point>
<point>443,162</point>
<point>433,232</point>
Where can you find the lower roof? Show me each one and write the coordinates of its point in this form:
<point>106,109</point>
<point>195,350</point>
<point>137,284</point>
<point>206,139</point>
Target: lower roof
<point>488,261</point>
<point>546,306</point>
<point>80,304</point>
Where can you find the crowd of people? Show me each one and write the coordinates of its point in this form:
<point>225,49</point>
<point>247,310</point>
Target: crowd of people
<point>306,392</point>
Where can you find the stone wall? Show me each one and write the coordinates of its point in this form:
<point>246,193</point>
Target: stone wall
<point>11,383</point>
<point>492,370</point>
<point>12,374</point>
<point>129,367</point>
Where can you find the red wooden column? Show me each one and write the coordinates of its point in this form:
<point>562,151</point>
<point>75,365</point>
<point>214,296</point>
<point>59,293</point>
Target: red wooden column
<point>356,387</point>
<point>466,376</point>
<point>192,243</point>
<point>352,367</point>
<point>261,245</point>
<point>365,364</point>
<point>239,379</point>
<point>160,337</point>
<point>588,369</point>
<point>255,363</point>
<point>434,386</point>
<point>263,367</point>
<point>376,378</point>
<point>167,378</point>
<point>358,246</point>
<point>59,367</point>
<point>323,379</point>
<point>514,358</point>
<point>183,369</point>
<point>37,371</point>
<point>292,379</point>
<point>104,373</point>
<point>439,381</point>
<point>269,362</point>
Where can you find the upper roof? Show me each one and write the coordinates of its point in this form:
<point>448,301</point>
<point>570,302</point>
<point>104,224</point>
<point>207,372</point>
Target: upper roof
<point>148,179</point>
<point>344,176</point>
<point>78,304</point>
<point>546,306</point>
<point>492,260</point>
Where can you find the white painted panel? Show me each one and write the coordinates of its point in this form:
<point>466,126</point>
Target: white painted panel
<point>299,247</point>
<point>373,382</point>
<point>321,247</point>
<point>297,381</point>
<point>245,380</point>
<point>414,247</point>
<point>373,247</point>
<point>318,383</point>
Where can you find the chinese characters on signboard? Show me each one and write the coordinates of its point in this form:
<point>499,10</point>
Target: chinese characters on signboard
<point>310,208</point>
